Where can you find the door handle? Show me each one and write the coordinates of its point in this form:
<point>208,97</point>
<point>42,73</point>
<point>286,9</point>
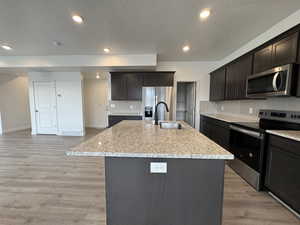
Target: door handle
<point>274,81</point>
<point>36,110</point>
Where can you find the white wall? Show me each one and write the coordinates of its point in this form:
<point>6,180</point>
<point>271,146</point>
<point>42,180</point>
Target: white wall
<point>191,71</point>
<point>277,29</point>
<point>14,104</point>
<point>69,105</point>
<point>95,101</point>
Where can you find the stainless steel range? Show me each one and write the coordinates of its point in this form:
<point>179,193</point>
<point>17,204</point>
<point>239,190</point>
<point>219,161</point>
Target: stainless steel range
<point>247,143</point>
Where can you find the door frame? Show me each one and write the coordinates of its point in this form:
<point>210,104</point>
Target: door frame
<point>195,100</point>
<point>35,106</point>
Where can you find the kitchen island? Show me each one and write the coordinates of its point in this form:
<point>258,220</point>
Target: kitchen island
<point>159,176</point>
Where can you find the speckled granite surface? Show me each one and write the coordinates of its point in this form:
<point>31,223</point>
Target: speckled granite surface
<point>143,139</point>
<point>230,118</point>
<point>290,134</point>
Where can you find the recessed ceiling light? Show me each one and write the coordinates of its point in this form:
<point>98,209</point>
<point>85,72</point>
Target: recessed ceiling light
<point>77,19</point>
<point>6,47</point>
<point>204,13</point>
<point>186,48</point>
<point>106,50</point>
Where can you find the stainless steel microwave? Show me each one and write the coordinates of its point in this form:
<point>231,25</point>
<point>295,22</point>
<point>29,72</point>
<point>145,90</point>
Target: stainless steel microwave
<point>273,82</point>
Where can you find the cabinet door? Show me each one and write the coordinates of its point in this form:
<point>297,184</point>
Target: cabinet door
<point>243,70</point>
<point>236,77</point>
<point>262,59</point>
<point>285,50</point>
<point>282,176</point>
<point>217,85</point>
<point>158,79</point>
<point>231,83</point>
<point>118,86</point>
<point>134,87</point>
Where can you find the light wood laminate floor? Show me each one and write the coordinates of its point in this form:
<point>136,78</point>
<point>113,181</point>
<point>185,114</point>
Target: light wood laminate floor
<point>39,185</point>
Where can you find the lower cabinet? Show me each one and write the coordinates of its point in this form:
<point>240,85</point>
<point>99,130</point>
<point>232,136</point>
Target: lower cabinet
<point>282,173</point>
<point>216,130</point>
<point>114,119</point>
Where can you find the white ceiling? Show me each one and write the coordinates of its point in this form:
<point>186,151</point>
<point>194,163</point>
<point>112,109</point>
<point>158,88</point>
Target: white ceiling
<point>137,26</point>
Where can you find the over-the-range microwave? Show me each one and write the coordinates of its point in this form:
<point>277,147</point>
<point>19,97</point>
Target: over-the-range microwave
<point>274,82</point>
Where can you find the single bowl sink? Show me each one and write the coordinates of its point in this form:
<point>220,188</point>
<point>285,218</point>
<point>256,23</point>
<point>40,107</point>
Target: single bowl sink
<point>170,125</point>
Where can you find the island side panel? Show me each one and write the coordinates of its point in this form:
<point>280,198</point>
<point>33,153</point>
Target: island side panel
<point>190,193</point>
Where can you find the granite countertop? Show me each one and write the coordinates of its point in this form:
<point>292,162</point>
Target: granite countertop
<point>290,134</point>
<point>231,118</point>
<point>143,139</point>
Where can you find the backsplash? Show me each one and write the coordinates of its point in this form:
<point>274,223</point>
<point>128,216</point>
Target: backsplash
<point>250,107</point>
<point>125,107</point>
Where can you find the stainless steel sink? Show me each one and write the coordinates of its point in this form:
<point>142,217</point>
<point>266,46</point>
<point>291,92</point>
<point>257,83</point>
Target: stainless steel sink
<point>170,125</point>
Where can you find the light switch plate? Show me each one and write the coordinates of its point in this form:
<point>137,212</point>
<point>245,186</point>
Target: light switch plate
<point>158,167</point>
<point>250,110</point>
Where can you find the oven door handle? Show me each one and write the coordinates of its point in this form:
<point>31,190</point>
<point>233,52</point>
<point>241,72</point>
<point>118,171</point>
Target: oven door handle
<point>247,132</point>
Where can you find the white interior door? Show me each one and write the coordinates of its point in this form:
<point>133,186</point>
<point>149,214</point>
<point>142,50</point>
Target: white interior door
<point>45,107</point>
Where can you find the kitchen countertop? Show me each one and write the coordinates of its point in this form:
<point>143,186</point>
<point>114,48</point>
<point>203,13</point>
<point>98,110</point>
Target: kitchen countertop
<point>231,118</point>
<point>143,139</point>
<point>290,134</point>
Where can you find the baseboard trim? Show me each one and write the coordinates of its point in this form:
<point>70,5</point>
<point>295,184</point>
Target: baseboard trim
<point>5,131</point>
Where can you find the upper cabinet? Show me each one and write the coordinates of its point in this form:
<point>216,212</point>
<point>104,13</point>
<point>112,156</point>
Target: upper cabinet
<point>217,85</point>
<point>118,86</point>
<point>236,77</point>
<point>277,53</point>
<point>126,86</point>
<point>285,50</point>
<point>262,59</point>
<point>158,79</point>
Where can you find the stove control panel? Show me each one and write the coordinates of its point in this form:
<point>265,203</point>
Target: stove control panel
<point>287,116</point>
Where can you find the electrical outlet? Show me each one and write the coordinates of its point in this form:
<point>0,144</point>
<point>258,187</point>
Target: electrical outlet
<point>250,110</point>
<point>112,105</point>
<point>131,107</point>
<point>158,167</point>
<point>222,108</point>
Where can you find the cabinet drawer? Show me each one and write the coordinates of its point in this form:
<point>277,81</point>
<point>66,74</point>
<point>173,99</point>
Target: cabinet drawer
<point>285,144</point>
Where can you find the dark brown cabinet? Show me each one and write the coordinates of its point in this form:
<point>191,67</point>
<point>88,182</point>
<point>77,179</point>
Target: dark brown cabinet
<point>216,130</point>
<point>262,59</point>
<point>217,85</point>
<point>283,166</point>
<point>126,86</point>
<point>158,79</point>
<point>134,86</point>
<point>277,53</point>
<point>285,50</point>
<point>118,86</point>
<point>114,119</point>
<point>236,77</point>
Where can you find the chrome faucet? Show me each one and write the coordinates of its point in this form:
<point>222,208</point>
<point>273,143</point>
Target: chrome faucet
<point>156,114</point>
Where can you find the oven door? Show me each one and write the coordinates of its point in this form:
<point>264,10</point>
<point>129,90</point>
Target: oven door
<point>247,146</point>
<point>274,82</point>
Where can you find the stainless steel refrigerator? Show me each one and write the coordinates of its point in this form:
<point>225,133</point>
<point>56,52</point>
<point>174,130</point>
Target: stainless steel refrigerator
<point>153,95</point>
